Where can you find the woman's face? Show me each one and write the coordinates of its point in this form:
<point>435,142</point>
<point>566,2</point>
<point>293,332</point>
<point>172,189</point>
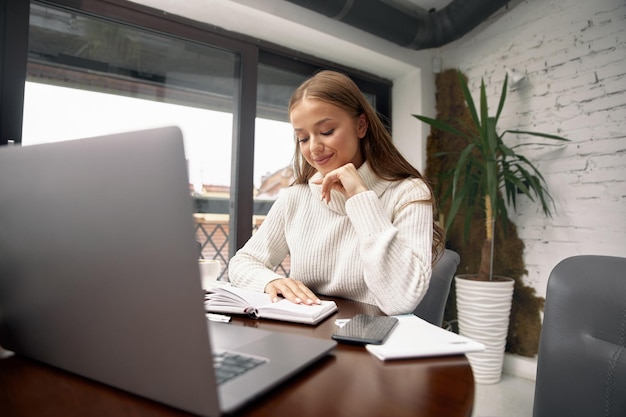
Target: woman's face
<point>328,136</point>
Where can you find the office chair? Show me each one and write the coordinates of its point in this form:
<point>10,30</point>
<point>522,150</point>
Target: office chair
<point>433,304</point>
<point>581,367</point>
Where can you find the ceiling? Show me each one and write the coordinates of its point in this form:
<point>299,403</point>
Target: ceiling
<point>335,29</point>
<point>414,24</point>
<point>423,6</point>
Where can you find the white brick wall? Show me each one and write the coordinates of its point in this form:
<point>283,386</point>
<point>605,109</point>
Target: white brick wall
<point>574,53</point>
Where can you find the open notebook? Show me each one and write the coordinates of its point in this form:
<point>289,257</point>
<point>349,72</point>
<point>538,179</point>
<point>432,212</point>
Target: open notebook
<point>233,300</point>
<point>99,274</point>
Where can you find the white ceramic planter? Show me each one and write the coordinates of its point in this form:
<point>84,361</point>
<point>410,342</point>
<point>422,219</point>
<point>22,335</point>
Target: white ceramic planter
<point>483,309</point>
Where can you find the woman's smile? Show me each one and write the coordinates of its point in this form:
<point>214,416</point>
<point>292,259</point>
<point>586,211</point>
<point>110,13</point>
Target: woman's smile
<point>321,160</point>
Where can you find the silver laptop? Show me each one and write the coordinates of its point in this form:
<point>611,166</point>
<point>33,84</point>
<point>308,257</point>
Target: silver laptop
<point>99,274</point>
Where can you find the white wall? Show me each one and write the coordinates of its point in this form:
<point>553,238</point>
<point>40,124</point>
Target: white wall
<point>574,53</point>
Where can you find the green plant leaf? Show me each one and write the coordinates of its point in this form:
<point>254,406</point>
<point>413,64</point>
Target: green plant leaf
<point>469,100</point>
<point>483,125</point>
<point>502,97</point>
<point>443,126</point>
<point>543,135</point>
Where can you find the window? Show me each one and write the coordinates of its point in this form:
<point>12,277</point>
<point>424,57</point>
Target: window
<point>106,68</point>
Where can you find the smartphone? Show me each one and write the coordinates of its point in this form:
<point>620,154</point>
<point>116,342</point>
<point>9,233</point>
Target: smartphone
<point>366,329</point>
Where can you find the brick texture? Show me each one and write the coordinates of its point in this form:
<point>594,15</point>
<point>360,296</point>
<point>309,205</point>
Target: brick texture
<point>574,54</point>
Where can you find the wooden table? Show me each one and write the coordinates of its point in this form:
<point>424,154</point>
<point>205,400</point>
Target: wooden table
<point>349,382</point>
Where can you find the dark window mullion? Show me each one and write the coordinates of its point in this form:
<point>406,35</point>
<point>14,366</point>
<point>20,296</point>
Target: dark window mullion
<point>242,181</point>
<point>14,18</point>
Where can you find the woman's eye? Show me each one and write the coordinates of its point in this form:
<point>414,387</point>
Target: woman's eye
<point>328,132</point>
<point>302,140</point>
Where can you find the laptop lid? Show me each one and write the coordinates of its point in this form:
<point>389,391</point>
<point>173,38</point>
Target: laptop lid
<point>99,274</point>
<point>98,264</point>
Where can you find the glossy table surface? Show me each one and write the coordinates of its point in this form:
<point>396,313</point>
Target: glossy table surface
<point>349,382</point>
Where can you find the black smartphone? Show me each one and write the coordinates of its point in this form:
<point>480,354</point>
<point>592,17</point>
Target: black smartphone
<point>366,329</point>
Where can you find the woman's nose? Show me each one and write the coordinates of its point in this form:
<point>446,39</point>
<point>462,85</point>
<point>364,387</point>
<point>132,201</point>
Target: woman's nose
<point>316,142</point>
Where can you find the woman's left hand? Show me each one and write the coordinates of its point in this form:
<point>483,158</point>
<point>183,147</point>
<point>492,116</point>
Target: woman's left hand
<point>344,179</point>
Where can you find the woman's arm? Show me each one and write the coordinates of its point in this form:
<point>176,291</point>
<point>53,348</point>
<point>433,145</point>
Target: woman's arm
<point>396,249</point>
<point>253,265</point>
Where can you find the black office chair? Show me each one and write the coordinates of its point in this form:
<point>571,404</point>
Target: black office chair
<point>432,306</point>
<point>581,367</point>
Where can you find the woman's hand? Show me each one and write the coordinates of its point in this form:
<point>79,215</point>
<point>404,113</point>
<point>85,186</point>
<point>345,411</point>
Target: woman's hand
<point>294,291</point>
<point>345,179</point>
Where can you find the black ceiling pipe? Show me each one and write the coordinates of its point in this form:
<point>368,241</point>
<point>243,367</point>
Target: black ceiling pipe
<point>413,30</point>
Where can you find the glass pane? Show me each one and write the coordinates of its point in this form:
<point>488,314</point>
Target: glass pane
<point>274,141</point>
<point>88,77</point>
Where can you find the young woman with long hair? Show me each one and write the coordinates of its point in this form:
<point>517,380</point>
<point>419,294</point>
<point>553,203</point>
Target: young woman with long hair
<point>358,219</point>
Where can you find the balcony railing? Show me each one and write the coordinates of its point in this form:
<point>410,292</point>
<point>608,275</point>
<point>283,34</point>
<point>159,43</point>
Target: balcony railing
<point>212,234</point>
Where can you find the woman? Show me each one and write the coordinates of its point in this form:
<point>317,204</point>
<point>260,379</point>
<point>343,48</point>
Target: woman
<point>358,219</point>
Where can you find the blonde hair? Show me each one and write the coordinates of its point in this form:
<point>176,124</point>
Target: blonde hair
<point>376,147</point>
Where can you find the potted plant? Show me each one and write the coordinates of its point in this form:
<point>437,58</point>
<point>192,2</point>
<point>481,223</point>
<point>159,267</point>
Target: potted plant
<point>487,169</point>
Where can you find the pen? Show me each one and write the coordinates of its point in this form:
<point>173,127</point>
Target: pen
<point>218,317</point>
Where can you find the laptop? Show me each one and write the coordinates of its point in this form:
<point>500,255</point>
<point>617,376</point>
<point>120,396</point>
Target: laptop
<point>99,275</point>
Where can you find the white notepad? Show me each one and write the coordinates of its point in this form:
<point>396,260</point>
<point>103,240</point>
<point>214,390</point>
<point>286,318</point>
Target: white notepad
<point>414,337</point>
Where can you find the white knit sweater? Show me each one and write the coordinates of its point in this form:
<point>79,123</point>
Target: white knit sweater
<point>374,247</point>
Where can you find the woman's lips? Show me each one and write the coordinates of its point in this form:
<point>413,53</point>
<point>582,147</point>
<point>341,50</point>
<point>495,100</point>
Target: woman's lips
<point>321,160</point>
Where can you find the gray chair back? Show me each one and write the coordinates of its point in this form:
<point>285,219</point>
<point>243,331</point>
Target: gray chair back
<point>581,367</point>
<point>432,306</point>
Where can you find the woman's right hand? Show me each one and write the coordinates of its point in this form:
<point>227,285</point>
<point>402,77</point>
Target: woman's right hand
<point>345,179</point>
<point>291,289</point>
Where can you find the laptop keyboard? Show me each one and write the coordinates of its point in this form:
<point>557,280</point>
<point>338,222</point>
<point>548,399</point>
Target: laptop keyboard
<point>228,365</point>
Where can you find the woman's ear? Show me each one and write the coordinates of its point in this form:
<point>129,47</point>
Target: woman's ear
<point>361,126</point>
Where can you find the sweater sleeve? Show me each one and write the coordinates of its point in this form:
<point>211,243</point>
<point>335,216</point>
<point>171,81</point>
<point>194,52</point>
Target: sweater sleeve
<point>396,249</point>
<point>253,265</point>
